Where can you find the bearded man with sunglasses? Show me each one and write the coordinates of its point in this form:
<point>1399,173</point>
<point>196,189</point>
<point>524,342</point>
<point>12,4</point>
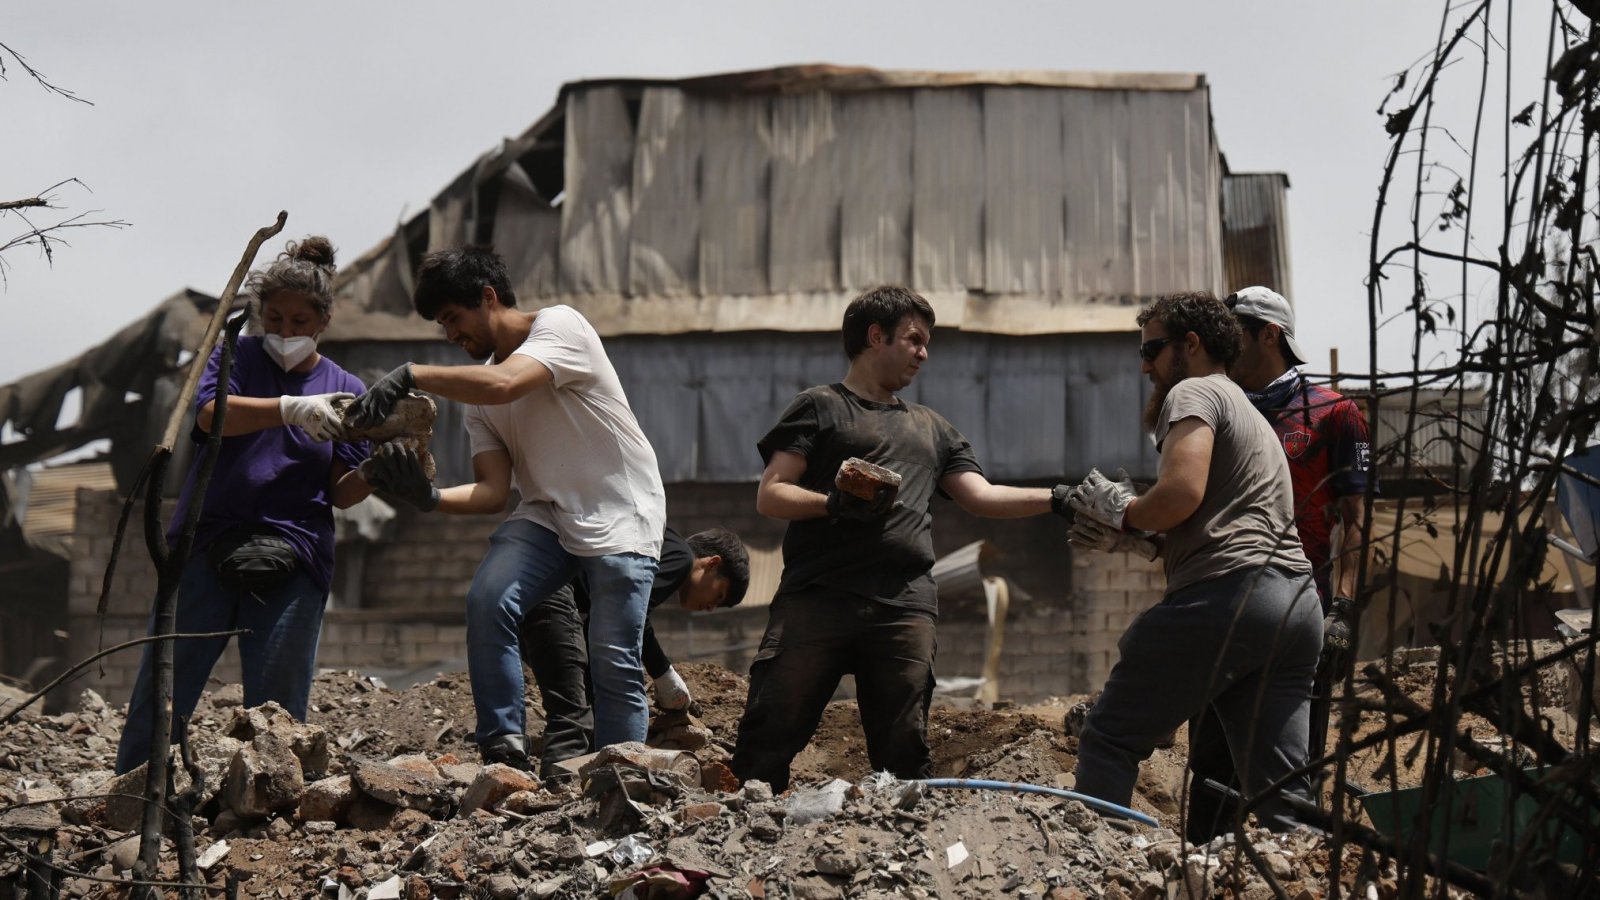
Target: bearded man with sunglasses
<point>1239,628</point>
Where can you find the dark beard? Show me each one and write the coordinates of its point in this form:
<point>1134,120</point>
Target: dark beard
<point>1152,408</point>
<point>1158,396</point>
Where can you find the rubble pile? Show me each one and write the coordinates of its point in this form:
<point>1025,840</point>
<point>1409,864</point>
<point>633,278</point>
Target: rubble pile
<point>381,796</point>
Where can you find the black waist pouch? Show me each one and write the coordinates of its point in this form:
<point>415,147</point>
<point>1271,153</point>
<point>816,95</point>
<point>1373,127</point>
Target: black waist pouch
<point>252,558</point>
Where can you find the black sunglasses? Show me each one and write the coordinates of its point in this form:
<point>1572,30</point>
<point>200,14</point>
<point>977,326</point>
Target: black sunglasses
<point>1149,350</point>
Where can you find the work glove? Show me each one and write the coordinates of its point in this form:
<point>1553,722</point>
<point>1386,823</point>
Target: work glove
<point>1058,501</point>
<point>671,693</point>
<point>1336,637</point>
<point>314,414</point>
<point>1091,535</point>
<point>373,407</point>
<point>1103,499</point>
<point>397,472</point>
<point>844,505</point>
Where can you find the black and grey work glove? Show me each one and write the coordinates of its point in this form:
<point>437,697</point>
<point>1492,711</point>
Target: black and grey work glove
<point>1103,499</point>
<point>373,407</point>
<point>397,472</point>
<point>844,505</point>
<point>1058,501</point>
<point>1336,637</point>
<point>1091,535</point>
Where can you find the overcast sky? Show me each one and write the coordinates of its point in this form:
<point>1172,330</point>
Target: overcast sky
<point>210,117</point>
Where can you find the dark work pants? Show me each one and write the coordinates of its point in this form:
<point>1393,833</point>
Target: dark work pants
<point>813,639</point>
<point>555,646</point>
<point>1244,644</point>
<point>557,651</point>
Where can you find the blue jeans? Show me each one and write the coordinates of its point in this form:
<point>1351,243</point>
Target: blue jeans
<point>526,564</point>
<point>277,652</point>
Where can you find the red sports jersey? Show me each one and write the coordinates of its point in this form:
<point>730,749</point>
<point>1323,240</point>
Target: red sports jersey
<point>1326,439</point>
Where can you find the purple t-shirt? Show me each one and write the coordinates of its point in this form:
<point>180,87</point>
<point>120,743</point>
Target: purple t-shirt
<point>278,477</point>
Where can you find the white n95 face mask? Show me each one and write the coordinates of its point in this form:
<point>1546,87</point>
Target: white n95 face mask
<point>289,352</point>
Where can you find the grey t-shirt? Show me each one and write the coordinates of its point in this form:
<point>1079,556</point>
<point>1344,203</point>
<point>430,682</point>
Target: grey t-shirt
<point>1246,518</point>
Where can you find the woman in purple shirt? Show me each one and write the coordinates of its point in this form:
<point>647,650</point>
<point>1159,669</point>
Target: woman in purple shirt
<point>263,552</point>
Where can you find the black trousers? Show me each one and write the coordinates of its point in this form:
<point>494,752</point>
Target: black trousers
<point>555,647</point>
<point>813,639</point>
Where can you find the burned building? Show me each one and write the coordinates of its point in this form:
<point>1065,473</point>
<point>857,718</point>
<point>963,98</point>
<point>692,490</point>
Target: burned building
<point>713,230</point>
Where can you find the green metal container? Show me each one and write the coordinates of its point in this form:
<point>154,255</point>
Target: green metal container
<point>1476,820</point>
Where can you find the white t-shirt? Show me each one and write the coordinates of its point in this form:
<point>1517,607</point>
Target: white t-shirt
<point>578,457</point>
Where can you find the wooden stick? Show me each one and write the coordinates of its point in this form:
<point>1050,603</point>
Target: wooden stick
<point>197,366</point>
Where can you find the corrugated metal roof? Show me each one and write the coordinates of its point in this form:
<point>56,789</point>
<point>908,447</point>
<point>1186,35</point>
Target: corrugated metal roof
<point>1255,231</point>
<point>53,502</point>
<point>1019,203</point>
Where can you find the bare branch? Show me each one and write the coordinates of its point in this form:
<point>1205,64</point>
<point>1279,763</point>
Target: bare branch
<point>36,75</point>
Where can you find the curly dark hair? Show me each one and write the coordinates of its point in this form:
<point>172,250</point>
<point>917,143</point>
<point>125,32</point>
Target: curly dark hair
<point>735,559</point>
<point>1202,313</point>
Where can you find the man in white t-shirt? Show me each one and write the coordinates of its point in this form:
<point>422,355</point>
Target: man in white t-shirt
<point>546,415</point>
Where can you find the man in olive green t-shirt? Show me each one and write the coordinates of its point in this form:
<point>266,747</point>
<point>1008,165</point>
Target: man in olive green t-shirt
<point>1240,627</point>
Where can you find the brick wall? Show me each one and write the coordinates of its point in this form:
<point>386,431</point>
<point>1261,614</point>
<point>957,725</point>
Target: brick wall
<point>1110,590</point>
<point>1067,609</point>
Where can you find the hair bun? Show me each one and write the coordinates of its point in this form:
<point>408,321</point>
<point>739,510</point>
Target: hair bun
<point>315,249</point>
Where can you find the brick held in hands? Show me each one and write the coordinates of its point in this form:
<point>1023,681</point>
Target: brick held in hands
<point>867,480</point>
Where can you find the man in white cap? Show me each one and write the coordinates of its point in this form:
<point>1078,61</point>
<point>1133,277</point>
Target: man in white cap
<point>1325,438</point>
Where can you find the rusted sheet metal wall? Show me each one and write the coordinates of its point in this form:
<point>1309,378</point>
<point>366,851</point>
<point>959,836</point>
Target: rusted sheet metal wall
<point>1016,209</point>
<point>1255,226</point>
<point>804,240</point>
<point>735,186</point>
<point>597,214</point>
<point>947,175</point>
<point>1034,407</point>
<point>664,253</point>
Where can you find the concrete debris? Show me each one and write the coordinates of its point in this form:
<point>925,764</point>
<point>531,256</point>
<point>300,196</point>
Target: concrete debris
<point>328,800</point>
<point>212,855</point>
<point>411,424</point>
<point>264,776</point>
<point>403,788</point>
<point>400,816</point>
<point>493,784</point>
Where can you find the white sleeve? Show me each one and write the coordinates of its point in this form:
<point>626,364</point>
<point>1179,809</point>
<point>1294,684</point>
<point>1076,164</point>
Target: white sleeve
<point>561,340</point>
<point>480,436</point>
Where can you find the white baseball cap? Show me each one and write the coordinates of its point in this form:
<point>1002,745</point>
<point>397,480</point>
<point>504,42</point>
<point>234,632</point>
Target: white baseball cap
<point>1269,306</point>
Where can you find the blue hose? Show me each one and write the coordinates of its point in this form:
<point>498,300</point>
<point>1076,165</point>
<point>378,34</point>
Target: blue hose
<point>1094,803</point>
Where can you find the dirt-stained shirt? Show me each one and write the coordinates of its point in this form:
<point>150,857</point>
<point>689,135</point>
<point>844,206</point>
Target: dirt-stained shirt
<point>1246,516</point>
<point>890,560</point>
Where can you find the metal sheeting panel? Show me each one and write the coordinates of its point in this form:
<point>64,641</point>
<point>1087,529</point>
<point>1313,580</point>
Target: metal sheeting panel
<point>875,190</point>
<point>804,226</point>
<point>947,190</point>
<point>664,252</point>
<point>1023,210</point>
<point>597,211</point>
<point>1023,191</point>
<point>734,210</point>
<point>1098,234</point>
<point>527,232</point>
<point>1255,231</point>
<point>450,215</point>
<point>1033,407</point>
